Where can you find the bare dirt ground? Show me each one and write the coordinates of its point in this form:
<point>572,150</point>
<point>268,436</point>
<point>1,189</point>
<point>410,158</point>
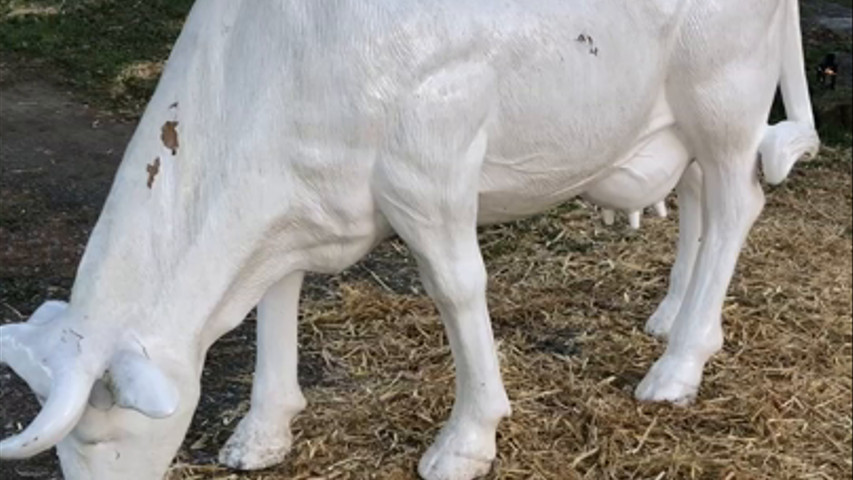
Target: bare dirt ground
<point>57,159</point>
<point>568,299</point>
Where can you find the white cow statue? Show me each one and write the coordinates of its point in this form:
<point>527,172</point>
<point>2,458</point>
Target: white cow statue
<point>289,136</point>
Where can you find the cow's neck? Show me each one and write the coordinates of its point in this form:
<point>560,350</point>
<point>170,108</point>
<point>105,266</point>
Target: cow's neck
<point>183,248</point>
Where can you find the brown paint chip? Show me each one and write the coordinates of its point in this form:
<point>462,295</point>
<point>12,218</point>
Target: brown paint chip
<point>152,169</point>
<point>169,136</point>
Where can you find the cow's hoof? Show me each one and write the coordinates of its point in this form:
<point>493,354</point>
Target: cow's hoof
<point>255,445</point>
<point>671,379</point>
<point>461,451</point>
<point>660,323</point>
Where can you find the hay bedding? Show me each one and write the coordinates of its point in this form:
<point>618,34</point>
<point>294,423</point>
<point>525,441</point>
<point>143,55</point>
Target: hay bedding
<point>568,298</point>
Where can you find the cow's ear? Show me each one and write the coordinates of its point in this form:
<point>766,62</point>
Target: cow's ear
<point>137,383</point>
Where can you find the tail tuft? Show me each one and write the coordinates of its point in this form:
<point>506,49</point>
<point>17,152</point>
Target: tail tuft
<point>784,143</point>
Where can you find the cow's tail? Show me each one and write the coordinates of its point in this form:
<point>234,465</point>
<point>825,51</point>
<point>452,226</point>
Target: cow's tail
<point>786,142</point>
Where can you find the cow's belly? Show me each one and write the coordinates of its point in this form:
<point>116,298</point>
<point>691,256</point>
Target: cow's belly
<point>526,179</point>
<point>566,117</point>
<point>512,188</point>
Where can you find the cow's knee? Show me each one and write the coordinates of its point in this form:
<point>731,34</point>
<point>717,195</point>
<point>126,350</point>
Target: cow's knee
<point>455,284</point>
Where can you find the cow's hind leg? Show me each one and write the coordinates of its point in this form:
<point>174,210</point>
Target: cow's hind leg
<point>732,201</point>
<point>724,121</point>
<point>263,436</point>
<point>427,189</point>
<point>689,192</point>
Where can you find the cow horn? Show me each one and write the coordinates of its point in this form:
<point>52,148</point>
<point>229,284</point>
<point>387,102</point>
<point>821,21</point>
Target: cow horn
<point>16,352</point>
<point>16,346</point>
<point>65,405</point>
<point>9,345</point>
<point>66,388</point>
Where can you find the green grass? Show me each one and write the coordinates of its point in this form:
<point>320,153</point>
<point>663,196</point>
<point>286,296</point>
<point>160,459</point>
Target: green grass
<point>109,50</point>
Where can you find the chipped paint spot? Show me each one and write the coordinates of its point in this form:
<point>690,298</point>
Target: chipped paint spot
<point>169,136</point>
<point>174,105</point>
<point>152,169</point>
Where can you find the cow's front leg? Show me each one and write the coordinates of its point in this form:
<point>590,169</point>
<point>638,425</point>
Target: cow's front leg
<point>263,436</point>
<point>454,275</point>
<point>427,188</point>
<point>689,191</point>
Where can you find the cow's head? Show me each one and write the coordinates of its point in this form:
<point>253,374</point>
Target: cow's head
<point>112,411</point>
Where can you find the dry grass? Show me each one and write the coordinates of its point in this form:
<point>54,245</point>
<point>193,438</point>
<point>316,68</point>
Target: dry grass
<point>568,300</point>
